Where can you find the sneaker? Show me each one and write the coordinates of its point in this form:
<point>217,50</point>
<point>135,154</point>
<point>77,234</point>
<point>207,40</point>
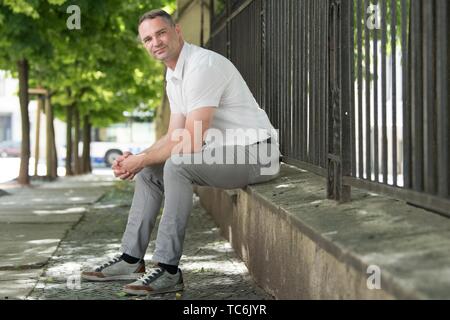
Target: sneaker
<point>156,281</point>
<point>115,269</point>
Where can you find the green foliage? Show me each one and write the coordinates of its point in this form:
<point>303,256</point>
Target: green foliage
<point>101,68</point>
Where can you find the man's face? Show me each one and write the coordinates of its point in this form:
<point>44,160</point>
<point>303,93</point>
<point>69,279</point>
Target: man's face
<point>160,38</point>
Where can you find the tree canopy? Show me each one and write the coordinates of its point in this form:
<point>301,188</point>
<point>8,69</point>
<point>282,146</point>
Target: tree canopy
<point>101,65</point>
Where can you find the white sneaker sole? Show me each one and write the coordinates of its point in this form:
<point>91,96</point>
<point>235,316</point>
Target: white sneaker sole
<point>124,277</point>
<point>176,288</point>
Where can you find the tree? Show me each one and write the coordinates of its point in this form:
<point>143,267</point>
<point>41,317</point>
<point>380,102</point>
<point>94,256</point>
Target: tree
<point>22,41</point>
<point>102,65</point>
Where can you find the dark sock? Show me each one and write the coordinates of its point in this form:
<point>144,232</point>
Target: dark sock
<point>129,259</point>
<point>169,268</point>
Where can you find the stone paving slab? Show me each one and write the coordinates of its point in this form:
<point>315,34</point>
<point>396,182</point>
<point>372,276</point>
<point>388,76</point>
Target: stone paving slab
<point>34,197</point>
<point>16,289</point>
<point>47,215</point>
<point>18,284</point>
<point>210,267</point>
<point>29,244</point>
<point>33,221</point>
<point>7,275</point>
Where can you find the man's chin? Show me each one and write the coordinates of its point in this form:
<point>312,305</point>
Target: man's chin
<point>160,57</point>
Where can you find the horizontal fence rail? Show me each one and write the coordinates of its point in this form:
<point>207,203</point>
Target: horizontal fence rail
<point>357,88</point>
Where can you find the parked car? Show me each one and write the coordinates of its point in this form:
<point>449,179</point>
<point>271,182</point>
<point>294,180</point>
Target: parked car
<point>10,148</point>
<point>104,153</point>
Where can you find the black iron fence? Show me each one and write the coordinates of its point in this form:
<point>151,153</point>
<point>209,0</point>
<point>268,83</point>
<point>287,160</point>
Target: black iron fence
<point>358,89</point>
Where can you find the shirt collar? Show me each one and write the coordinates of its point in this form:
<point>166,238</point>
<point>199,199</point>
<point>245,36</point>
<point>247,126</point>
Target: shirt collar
<point>178,72</point>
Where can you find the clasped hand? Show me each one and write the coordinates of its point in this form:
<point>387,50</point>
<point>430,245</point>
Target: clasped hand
<point>127,166</point>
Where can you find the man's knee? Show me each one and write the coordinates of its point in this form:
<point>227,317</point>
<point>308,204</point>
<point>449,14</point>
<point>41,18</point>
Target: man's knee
<point>174,165</point>
<point>148,174</point>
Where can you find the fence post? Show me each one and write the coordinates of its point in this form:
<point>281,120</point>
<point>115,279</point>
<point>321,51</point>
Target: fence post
<point>340,81</point>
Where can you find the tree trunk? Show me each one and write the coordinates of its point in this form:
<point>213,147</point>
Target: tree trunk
<point>76,139</point>
<point>69,113</point>
<point>22,66</point>
<point>86,145</point>
<point>50,145</point>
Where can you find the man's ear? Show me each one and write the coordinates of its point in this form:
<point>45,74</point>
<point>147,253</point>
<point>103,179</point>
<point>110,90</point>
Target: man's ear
<point>178,29</point>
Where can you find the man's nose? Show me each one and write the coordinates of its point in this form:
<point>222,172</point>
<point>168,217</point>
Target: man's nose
<point>158,41</point>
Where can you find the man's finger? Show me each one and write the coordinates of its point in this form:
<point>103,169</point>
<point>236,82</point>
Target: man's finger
<point>125,176</point>
<point>118,172</point>
<point>131,177</point>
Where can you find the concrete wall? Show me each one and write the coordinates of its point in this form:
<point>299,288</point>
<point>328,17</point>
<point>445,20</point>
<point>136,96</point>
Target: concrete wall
<point>299,245</point>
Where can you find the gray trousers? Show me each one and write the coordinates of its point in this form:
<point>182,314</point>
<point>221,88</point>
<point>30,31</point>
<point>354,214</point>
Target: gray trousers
<point>173,182</point>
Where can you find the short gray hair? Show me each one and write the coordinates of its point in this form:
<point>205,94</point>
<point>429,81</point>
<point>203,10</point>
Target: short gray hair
<point>156,13</point>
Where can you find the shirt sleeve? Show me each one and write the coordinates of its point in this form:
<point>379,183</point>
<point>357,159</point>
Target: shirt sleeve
<point>204,87</point>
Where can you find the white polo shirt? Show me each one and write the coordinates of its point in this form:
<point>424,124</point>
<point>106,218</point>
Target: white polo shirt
<point>203,78</point>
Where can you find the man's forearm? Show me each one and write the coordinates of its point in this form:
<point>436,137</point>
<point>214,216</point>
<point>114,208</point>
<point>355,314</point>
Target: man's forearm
<point>166,146</point>
<point>159,152</point>
<point>156,145</point>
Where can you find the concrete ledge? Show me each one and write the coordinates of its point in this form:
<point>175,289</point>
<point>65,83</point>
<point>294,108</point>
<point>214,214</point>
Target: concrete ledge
<point>298,245</point>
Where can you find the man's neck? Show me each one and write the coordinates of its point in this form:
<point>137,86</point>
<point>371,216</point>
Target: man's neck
<point>173,62</point>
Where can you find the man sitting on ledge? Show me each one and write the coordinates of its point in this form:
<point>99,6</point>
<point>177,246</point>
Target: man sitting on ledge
<point>218,136</point>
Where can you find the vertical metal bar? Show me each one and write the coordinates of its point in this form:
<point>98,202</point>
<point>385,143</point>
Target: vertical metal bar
<point>278,79</point>
<point>289,75</point>
<point>304,46</point>
<point>286,71</point>
<point>271,76</point>
<point>296,76</point>
<point>263,56</point>
<point>312,107</point>
<point>317,83</point>
<point>376,156</point>
<point>309,43</point>
<point>443,95</point>
<point>268,60</point>
<point>345,80</point>
<point>281,46</point>
<point>333,159</point>
<point>429,103</point>
<point>228,28</point>
<point>293,18</point>
<point>319,74</point>
<point>367,93</point>
<point>298,58</point>
<point>324,73</point>
<point>352,92</point>
<point>406,101</point>
<point>360,89</point>
<point>417,95</point>
<point>384,140</point>
<point>318,107</point>
<point>394,89</point>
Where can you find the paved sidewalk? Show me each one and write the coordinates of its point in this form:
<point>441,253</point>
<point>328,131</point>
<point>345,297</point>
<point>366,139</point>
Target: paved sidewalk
<point>50,232</point>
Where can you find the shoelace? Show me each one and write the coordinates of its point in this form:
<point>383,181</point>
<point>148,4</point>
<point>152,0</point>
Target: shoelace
<point>109,263</point>
<point>146,278</point>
